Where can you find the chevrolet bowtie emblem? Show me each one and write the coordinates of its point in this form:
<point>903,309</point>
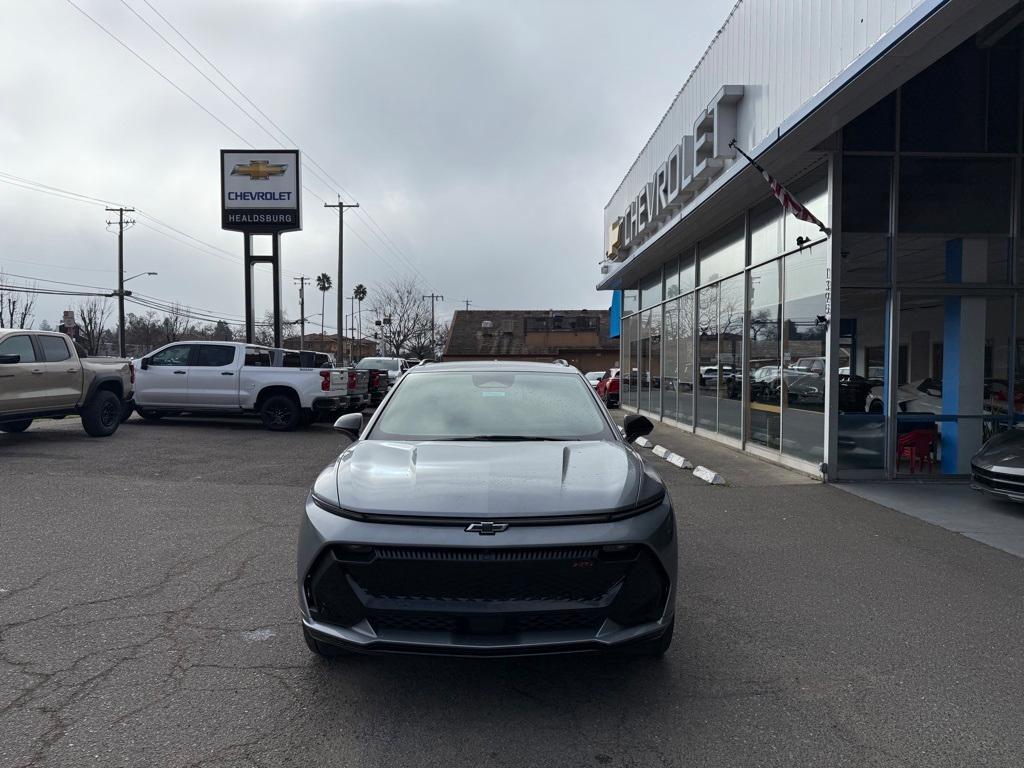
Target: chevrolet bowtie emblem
<point>486,528</point>
<point>259,170</point>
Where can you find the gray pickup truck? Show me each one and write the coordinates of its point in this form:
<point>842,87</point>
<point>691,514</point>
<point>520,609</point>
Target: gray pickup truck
<point>42,376</point>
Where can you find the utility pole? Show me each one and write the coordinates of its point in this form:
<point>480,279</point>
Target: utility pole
<point>433,342</point>
<point>302,310</point>
<point>467,302</point>
<point>341,262</point>
<point>121,211</point>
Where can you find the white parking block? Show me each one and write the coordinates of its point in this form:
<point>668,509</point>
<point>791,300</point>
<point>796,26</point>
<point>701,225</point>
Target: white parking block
<point>660,450</point>
<point>680,461</point>
<point>643,442</point>
<point>708,476</point>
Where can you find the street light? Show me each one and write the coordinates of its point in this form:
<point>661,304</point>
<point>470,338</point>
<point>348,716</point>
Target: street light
<point>140,275</point>
<point>120,309</point>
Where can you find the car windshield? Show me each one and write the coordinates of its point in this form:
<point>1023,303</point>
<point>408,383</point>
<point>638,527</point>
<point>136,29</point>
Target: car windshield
<point>379,363</point>
<point>481,405</point>
<point>595,375</point>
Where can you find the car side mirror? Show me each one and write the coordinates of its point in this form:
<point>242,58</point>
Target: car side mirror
<point>9,359</point>
<point>144,363</point>
<point>351,424</point>
<point>636,426</point>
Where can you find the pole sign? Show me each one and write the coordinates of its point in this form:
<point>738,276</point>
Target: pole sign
<point>260,190</point>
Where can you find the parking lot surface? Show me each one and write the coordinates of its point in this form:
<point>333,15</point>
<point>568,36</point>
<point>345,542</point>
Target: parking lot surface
<point>148,618</point>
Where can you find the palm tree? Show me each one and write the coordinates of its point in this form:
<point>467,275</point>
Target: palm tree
<point>323,282</point>
<point>360,293</point>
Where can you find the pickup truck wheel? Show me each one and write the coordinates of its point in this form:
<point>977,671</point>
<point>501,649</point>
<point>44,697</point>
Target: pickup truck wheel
<point>280,413</point>
<point>16,426</point>
<point>102,415</point>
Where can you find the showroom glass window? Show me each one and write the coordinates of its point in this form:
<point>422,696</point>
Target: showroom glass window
<point>651,289</point>
<point>706,375</point>
<point>670,359</point>
<point>730,356</point>
<point>687,271</point>
<point>671,270</point>
<point>764,371</point>
<point>630,301</point>
<point>803,353</point>
<point>684,411</point>
<point>723,253</point>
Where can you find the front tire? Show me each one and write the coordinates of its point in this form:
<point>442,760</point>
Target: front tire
<point>15,427</point>
<point>102,415</point>
<point>323,650</point>
<point>280,413</point>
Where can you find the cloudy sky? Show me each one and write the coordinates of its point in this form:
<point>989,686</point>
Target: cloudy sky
<point>482,138</point>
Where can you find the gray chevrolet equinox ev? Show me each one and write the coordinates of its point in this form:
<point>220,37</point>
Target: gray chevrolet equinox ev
<point>488,509</point>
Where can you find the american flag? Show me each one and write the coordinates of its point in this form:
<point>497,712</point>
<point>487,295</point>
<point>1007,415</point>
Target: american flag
<point>789,203</point>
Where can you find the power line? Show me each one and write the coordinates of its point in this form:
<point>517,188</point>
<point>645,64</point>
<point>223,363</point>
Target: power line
<point>164,77</point>
<point>376,230</point>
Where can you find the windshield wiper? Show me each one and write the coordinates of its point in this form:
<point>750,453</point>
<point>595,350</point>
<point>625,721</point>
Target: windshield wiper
<point>507,438</point>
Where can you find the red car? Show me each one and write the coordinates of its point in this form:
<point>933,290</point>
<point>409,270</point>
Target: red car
<point>608,388</point>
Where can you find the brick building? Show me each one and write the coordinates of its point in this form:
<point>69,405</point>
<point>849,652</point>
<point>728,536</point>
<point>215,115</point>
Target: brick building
<point>579,336</point>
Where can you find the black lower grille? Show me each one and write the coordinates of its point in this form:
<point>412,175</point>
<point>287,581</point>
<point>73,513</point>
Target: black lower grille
<point>486,591</point>
<point>497,625</point>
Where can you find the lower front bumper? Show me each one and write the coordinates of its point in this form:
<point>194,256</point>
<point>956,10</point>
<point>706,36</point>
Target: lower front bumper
<point>536,645</point>
<point>997,484</point>
<point>438,590</point>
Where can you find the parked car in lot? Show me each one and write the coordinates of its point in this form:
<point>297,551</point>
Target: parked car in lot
<point>608,387</point>
<point>488,509</point>
<point>42,376</point>
<point>206,377</point>
<point>593,377</point>
<point>395,366</point>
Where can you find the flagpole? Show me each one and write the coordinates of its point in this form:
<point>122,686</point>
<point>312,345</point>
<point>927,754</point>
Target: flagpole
<point>790,204</point>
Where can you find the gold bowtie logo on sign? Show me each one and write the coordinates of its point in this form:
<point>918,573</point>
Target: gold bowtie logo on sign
<point>259,170</point>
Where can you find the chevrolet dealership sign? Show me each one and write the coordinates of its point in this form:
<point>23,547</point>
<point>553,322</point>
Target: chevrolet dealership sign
<point>693,164</point>
<point>260,190</point>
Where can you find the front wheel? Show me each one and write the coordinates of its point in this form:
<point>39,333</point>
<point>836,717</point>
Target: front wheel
<point>280,413</point>
<point>16,426</point>
<point>102,415</point>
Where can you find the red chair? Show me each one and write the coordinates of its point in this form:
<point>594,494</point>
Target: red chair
<point>918,446</point>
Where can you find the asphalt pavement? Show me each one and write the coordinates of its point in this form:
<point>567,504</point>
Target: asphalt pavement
<point>148,618</point>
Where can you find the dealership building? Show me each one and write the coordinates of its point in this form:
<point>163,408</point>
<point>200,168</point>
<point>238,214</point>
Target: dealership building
<point>885,345</point>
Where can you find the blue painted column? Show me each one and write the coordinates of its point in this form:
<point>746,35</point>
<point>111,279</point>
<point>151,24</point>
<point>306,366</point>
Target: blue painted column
<point>963,356</point>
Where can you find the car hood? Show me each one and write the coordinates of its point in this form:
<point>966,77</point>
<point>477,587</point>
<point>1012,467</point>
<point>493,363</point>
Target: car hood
<point>487,480</point>
<point>1003,453</point>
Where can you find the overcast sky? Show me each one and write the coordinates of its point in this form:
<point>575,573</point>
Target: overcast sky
<point>483,137</point>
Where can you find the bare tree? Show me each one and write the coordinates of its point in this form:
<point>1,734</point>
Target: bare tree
<point>92,321</point>
<point>404,316</point>
<point>177,324</point>
<point>17,307</point>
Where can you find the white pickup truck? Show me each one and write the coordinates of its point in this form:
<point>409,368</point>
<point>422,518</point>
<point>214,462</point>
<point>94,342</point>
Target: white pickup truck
<point>218,377</point>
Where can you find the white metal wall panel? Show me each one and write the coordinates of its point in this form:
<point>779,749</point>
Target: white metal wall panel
<point>783,52</point>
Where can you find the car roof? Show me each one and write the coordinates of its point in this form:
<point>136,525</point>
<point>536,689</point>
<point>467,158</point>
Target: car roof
<point>523,366</point>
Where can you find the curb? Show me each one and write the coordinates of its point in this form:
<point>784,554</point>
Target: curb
<point>708,476</point>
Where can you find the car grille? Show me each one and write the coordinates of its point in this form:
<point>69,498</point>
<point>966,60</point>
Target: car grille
<point>998,481</point>
<point>472,591</point>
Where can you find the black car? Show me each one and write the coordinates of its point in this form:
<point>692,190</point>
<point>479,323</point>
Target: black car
<point>488,509</point>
